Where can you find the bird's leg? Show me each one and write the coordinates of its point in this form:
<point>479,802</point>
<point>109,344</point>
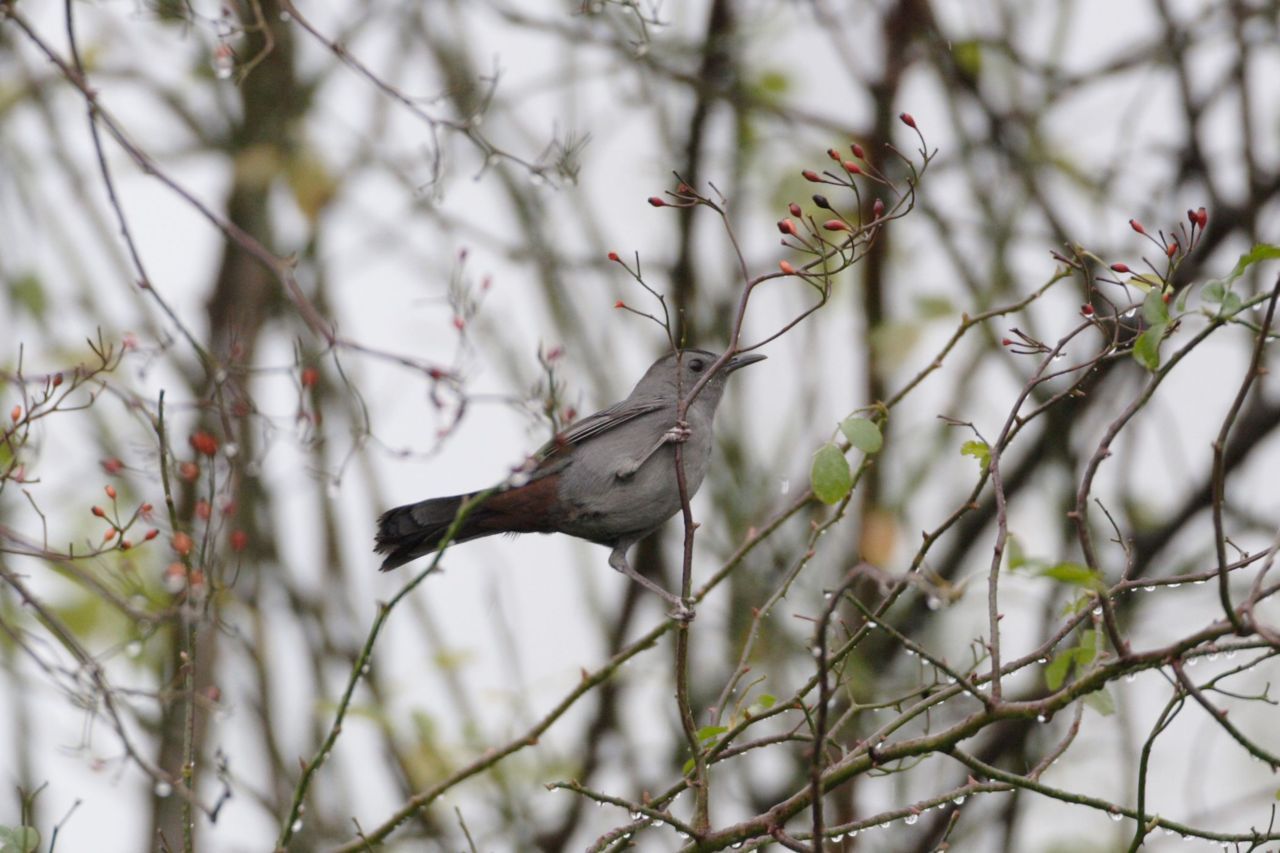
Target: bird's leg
<point>678,434</point>
<point>680,611</point>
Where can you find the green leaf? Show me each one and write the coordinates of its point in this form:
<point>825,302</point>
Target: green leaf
<point>27,292</point>
<point>1146,283</point>
<point>1101,701</point>
<point>978,450</point>
<point>967,56</point>
<point>932,306</point>
<point>688,768</point>
<point>1056,672</point>
<point>19,839</point>
<point>1213,292</point>
<point>1231,304</point>
<point>1259,252</point>
<point>1154,309</point>
<point>1074,574</point>
<point>1013,548</point>
<point>1087,650</point>
<point>831,477</point>
<point>863,434</point>
<point>767,700</point>
<point>709,732</point>
<point>1147,349</point>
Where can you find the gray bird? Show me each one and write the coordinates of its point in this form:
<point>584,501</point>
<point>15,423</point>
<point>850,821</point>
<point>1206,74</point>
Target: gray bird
<point>609,478</point>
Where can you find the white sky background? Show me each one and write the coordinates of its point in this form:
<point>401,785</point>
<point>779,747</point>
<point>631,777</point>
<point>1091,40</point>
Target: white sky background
<point>392,267</point>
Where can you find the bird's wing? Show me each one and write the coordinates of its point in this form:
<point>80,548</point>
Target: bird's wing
<point>600,422</point>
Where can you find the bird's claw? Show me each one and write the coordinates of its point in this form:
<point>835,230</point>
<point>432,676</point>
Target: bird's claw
<point>679,433</point>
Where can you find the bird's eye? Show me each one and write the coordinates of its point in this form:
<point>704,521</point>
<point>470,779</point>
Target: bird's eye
<point>696,365</point>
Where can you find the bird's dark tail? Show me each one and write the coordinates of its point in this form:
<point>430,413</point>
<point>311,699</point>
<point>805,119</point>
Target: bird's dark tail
<point>410,531</point>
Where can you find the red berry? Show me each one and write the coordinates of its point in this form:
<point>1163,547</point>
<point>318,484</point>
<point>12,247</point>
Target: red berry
<point>857,151</point>
<point>203,510</point>
<point>99,512</point>
<point>1086,309</point>
<point>239,540</point>
<point>151,534</point>
<point>182,543</point>
<point>794,209</point>
<point>656,202</point>
<point>1120,267</point>
<point>203,443</point>
<point>786,226</point>
<point>877,209</point>
<point>613,256</point>
<point>835,225</point>
<point>786,267</point>
<point>1172,248</point>
<point>189,471</point>
<point>1137,226</point>
<point>1006,342</point>
<point>459,323</point>
<point>1202,218</point>
<point>309,377</point>
<point>57,377</point>
<point>907,119</point>
<point>111,492</point>
<point>16,414</point>
<point>112,466</point>
<point>619,304</point>
<point>833,154</point>
<point>109,535</point>
<point>851,167</point>
<point>810,175</point>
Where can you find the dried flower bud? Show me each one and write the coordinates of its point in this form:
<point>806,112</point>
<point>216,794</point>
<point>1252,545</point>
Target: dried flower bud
<point>786,226</point>
<point>908,120</point>
<point>619,304</point>
<point>851,167</point>
<point>833,154</point>
<point>99,512</point>
<point>203,510</point>
<point>1120,267</point>
<point>656,202</point>
<point>112,466</point>
<point>111,492</point>
<point>857,151</point>
<point>1172,248</point>
<point>1086,309</point>
<point>16,414</point>
<point>613,256</point>
<point>786,268</point>
<point>239,540</point>
<point>835,225</point>
<point>189,471</point>
<point>109,535</point>
<point>810,175</point>
<point>151,534</point>
<point>309,377</point>
<point>1202,218</point>
<point>794,209</point>
<point>57,377</point>
<point>1006,342</point>
<point>203,443</point>
<point>877,209</point>
<point>125,544</point>
<point>1137,226</point>
<point>459,323</point>
<point>821,201</point>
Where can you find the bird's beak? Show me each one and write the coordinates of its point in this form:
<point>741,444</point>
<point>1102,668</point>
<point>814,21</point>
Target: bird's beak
<point>742,361</point>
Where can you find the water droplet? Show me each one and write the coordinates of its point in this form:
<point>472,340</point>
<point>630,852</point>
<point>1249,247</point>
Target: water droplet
<point>1149,589</point>
<point>960,800</point>
<point>1192,661</point>
<point>910,819</point>
<point>537,179</point>
<point>1231,654</point>
<point>827,594</point>
<point>364,670</point>
<point>933,602</point>
<point>884,825</point>
<point>636,815</point>
<point>642,50</point>
<point>163,789</point>
<point>785,486</point>
<point>1116,816</point>
<point>297,826</point>
<point>231,450</point>
<point>1200,582</point>
<point>1060,355</point>
<point>1212,656</point>
<point>286,17</point>
<point>1097,611</point>
<point>1041,718</point>
<point>816,651</point>
<point>1174,585</point>
<point>1129,679</point>
<point>737,845</point>
<point>133,649</point>
<point>1131,312</point>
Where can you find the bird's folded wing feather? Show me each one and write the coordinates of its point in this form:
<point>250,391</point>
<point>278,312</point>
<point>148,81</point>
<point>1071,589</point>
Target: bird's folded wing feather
<point>600,422</point>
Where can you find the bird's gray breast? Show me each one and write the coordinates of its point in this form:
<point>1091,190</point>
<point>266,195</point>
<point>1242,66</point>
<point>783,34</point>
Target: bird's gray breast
<point>602,507</point>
